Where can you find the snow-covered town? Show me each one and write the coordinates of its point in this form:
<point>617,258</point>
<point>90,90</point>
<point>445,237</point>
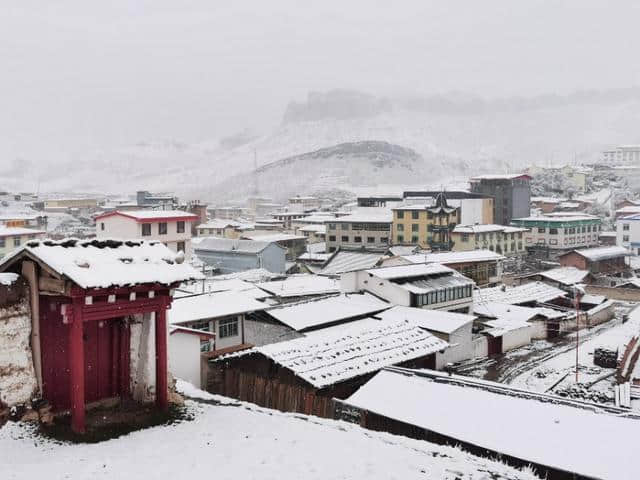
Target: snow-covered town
<point>429,286</point>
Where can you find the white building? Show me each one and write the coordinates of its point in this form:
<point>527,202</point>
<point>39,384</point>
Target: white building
<point>303,204</point>
<point>628,233</point>
<point>14,237</point>
<point>185,355</point>
<point>560,231</point>
<point>171,227</point>
<point>432,286</point>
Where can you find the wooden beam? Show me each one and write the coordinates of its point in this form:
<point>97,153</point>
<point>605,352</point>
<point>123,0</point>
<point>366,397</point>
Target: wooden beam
<point>51,285</point>
<point>76,370</point>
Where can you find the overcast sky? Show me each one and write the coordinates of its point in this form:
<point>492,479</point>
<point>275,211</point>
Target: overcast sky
<point>84,74</point>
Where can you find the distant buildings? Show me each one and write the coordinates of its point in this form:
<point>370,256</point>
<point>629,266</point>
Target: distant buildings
<point>474,207</point>
<point>304,204</point>
<point>366,229</point>
<point>628,232</point>
<point>623,154</point>
<point>511,193</point>
<point>171,227</point>
<point>148,199</point>
<point>64,204</point>
<point>428,225</point>
<point>559,232</point>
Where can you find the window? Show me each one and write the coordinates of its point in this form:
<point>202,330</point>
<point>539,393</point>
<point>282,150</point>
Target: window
<point>465,237</point>
<point>332,238</point>
<point>332,249</point>
<point>400,214</point>
<point>228,327</point>
<point>625,238</point>
<point>415,227</point>
<point>371,240</point>
<point>332,226</point>
<point>400,238</point>
<point>415,215</point>
<point>400,227</point>
<point>101,225</point>
<point>357,239</point>
<point>553,231</point>
<point>180,246</point>
<point>180,227</point>
<point>16,241</point>
<point>625,227</point>
<point>146,229</point>
<point>384,240</point>
<point>344,238</point>
<point>541,229</point>
<point>2,242</point>
<point>344,226</point>
<point>162,228</point>
<point>414,239</point>
<point>429,215</point>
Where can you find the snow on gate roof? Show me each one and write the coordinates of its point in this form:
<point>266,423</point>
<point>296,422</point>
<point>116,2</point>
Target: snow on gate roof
<point>538,428</point>
<point>324,359</point>
<point>107,263</point>
<point>529,292</point>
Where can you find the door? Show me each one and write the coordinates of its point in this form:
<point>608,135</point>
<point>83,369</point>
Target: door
<point>494,345</point>
<point>106,356</point>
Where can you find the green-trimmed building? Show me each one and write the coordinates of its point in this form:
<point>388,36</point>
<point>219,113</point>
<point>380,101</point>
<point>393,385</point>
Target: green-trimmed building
<point>560,231</point>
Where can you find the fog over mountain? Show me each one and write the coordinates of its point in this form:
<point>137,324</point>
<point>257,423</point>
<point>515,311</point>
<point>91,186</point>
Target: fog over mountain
<point>116,96</point>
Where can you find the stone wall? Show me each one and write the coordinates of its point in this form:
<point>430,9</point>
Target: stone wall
<point>18,383</point>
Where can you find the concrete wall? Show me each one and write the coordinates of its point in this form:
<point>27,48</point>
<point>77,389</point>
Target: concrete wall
<point>625,294</point>
<point>271,258</point>
<point>480,347</point>
<point>262,333</point>
<point>184,357</point>
<point>516,338</point>
<point>18,382</point>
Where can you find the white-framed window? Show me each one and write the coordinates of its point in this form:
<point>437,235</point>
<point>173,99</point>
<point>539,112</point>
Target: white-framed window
<point>146,229</point>
<point>228,327</point>
<point>180,227</point>
<point>162,228</point>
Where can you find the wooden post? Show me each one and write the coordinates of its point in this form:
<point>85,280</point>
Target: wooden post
<point>162,394</point>
<point>76,368</point>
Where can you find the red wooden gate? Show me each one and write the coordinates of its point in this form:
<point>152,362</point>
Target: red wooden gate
<point>106,352</point>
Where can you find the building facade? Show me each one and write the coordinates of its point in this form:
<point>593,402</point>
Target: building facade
<point>560,232</point>
<point>367,229</point>
<point>171,227</point>
<point>628,233</point>
<point>501,239</point>
<point>511,194</point>
<point>230,256</point>
<point>474,207</point>
<point>14,237</point>
<point>428,226</point>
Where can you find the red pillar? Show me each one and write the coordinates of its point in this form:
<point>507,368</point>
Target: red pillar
<point>76,370</point>
<point>162,394</point>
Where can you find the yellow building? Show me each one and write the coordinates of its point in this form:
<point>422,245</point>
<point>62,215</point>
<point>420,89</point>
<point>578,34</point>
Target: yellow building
<point>497,238</point>
<point>14,237</point>
<point>428,226</point>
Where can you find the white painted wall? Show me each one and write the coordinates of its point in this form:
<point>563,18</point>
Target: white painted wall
<point>516,338</point>
<point>630,238</point>
<point>471,211</point>
<point>184,357</point>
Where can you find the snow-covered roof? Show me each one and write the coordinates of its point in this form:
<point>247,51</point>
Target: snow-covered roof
<point>300,285</point>
<point>314,257</point>
<point>152,215</point>
<point>409,271</point>
<point>273,237</point>
<point>608,235</point>
<point>211,305</point>
<point>529,292</point>
<point>557,218</point>
<point>8,278</point>
<point>399,250</point>
<point>107,263</point>
<point>345,261</point>
<point>500,326</point>
<point>318,247</point>
<point>230,245</point>
<point>500,176</point>
<point>215,285</point>
<point>601,253</point>
<point>565,275</point>
<point>367,215</point>
<point>432,320</point>
<point>454,257</point>
<point>328,310</point>
<point>548,199</point>
<point>218,223</point>
<point>514,313</point>
<point>314,227</point>
<point>340,355</point>
<point>485,228</point>
<point>537,428</point>
<point>15,231</point>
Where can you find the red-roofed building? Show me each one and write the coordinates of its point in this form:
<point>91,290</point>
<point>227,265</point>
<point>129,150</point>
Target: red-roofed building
<point>171,227</point>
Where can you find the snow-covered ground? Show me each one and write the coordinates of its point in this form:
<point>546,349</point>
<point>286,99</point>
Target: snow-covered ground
<point>551,370</point>
<point>242,441</point>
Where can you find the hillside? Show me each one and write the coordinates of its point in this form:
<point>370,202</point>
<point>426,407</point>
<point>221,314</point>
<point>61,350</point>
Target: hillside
<point>455,134</point>
<point>347,165</point>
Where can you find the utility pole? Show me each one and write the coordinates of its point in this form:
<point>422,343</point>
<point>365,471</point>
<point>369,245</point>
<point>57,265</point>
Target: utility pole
<point>577,294</point>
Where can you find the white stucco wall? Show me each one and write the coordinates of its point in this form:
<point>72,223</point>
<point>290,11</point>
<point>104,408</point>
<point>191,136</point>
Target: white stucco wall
<point>184,357</point>
<point>516,338</point>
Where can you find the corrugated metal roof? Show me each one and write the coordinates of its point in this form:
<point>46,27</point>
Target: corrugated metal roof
<point>213,244</point>
<point>529,292</point>
<point>345,261</point>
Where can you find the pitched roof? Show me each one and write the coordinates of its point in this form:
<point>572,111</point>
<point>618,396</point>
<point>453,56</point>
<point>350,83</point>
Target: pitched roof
<point>525,420</point>
<point>230,245</point>
<point>565,275</point>
<point>211,305</point>
<point>346,261</point>
<point>501,176</point>
<point>11,231</point>
<point>454,257</point>
<point>328,310</point>
<point>300,285</point>
<point>339,355</point>
<point>432,320</point>
<point>272,237</point>
<point>601,253</point>
<point>529,292</point>
<point>107,263</point>
<point>152,215</point>
<point>514,313</point>
<point>409,271</point>
<point>367,215</point>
